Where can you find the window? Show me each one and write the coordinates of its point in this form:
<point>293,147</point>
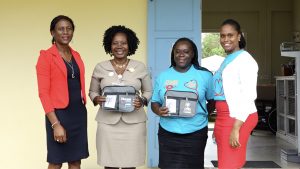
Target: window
<point>212,52</point>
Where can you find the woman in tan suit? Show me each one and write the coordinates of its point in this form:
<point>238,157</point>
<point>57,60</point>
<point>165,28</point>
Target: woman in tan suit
<point>121,136</point>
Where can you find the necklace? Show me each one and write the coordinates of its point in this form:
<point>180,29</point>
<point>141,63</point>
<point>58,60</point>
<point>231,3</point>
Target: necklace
<point>70,64</point>
<point>122,66</point>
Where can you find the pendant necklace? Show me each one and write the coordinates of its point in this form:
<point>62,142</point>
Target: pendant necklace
<point>71,66</point>
<point>120,66</point>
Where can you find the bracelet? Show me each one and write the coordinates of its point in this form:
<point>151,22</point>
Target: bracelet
<point>57,122</point>
<point>144,101</point>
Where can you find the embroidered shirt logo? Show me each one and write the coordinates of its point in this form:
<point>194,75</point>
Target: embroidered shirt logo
<point>170,84</point>
<point>218,85</point>
<point>192,84</point>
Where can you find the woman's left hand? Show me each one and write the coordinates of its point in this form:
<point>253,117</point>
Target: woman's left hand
<point>137,103</point>
<point>234,138</point>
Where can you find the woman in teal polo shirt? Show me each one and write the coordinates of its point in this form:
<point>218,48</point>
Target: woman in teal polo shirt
<point>182,140</point>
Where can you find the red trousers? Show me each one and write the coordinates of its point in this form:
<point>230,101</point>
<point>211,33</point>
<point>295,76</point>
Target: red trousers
<point>228,157</point>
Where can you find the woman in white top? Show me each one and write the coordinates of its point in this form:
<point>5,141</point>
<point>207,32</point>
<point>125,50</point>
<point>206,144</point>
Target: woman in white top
<point>235,93</point>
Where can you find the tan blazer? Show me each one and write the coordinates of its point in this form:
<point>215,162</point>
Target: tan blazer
<point>135,75</point>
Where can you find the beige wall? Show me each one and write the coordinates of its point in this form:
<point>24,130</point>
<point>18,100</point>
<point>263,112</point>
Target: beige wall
<point>24,30</point>
<point>267,23</point>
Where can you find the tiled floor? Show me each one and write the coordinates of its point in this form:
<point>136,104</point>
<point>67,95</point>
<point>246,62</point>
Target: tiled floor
<point>262,146</point>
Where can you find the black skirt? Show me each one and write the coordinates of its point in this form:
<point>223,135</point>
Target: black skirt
<point>74,119</point>
<point>182,151</point>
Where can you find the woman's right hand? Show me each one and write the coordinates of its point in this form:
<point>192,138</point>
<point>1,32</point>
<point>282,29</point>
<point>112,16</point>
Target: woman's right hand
<point>59,133</point>
<point>157,109</point>
<point>99,100</point>
<point>163,111</point>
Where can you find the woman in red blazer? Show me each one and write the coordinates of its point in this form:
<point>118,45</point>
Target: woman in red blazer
<point>61,85</point>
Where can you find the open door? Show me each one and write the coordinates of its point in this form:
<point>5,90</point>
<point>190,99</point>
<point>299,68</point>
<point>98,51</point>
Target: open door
<point>168,20</point>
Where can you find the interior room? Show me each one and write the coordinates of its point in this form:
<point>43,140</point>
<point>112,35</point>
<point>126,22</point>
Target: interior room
<point>267,24</point>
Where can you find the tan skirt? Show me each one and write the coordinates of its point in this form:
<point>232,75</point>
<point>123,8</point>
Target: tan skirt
<point>121,144</point>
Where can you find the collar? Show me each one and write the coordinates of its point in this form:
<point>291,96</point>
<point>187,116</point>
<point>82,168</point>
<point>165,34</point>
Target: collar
<point>53,50</point>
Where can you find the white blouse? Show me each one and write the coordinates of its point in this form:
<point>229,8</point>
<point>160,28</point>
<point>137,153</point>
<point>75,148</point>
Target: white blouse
<point>239,83</point>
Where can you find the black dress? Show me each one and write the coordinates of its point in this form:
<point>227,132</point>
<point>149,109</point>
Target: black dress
<point>74,119</point>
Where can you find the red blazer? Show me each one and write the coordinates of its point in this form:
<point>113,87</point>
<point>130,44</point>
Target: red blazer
<point>52,79</point>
